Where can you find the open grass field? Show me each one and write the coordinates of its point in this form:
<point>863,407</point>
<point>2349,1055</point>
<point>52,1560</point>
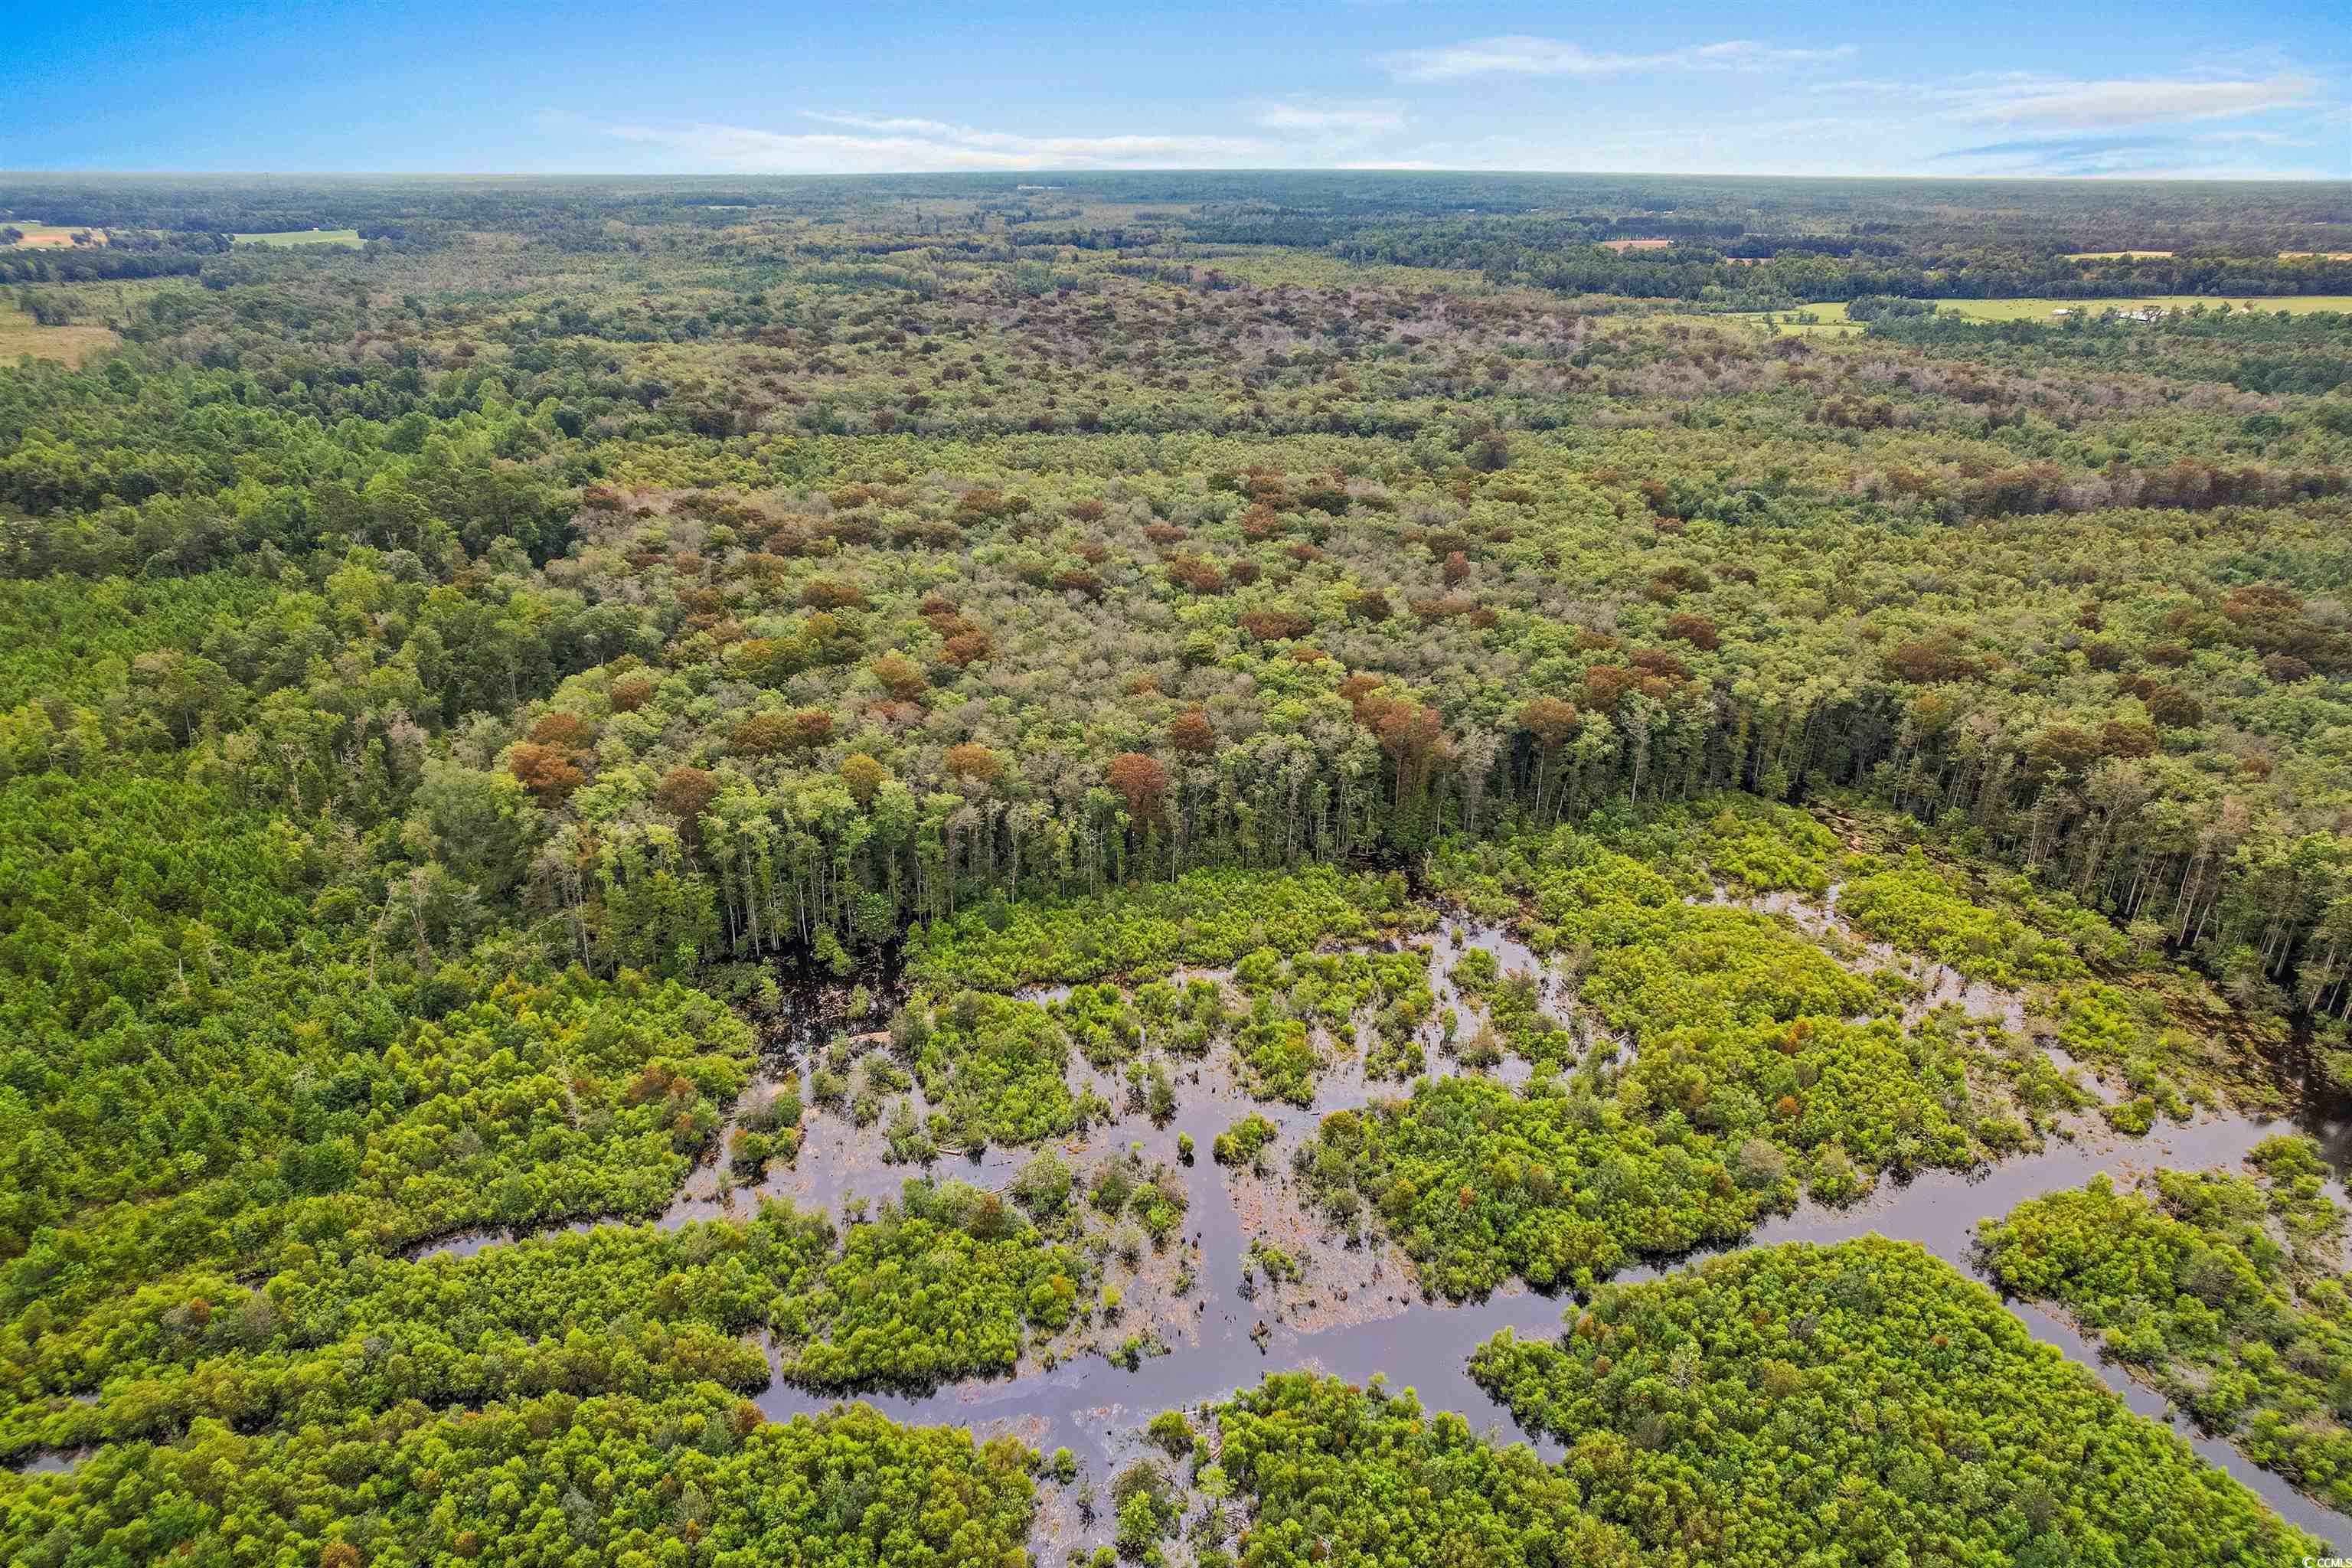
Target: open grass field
<point>1802,320</point>
<point>108,299</point>
<point>344,236</point>
<point>20,335</point>
<point>2039,310</point>
<point>1829,319</point>
<point>49,237</point>
<point>2115,255</point>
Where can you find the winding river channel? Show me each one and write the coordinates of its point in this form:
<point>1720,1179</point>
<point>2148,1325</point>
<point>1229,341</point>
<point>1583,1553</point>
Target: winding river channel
<point>1094,1407</point>
<point>1358,1315</point>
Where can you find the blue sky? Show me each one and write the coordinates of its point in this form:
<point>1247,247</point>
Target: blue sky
<point>2256,88</point>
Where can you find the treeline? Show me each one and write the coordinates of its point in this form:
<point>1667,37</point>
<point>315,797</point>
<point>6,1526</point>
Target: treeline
<point>90,265</point>
<point>2235,343</point>
<point>1570,261</point>
<point>843,784</point>
<point>782,845</point>
<point>825,825</point>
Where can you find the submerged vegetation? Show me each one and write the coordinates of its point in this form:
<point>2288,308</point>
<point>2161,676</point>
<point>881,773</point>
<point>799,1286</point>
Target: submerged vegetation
<point>946,1283</point>
<point>1794,1402</point>
<point>2226,1291</point>
<point>1862,1397</point>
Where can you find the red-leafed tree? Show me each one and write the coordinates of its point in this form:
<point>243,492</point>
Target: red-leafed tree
<point>1144,784</point>
<point>547,772</point>
<point>1192,733</point>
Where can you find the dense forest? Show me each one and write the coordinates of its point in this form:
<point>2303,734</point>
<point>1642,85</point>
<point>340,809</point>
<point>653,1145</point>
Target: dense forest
<point>622,802</point>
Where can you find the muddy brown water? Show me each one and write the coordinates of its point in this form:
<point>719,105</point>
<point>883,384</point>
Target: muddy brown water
<point>1229,1336</point>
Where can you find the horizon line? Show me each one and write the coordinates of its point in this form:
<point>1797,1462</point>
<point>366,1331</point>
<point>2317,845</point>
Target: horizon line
<point>2265,179</point>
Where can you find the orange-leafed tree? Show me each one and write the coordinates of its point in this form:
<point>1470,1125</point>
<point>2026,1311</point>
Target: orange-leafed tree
<point>1192,733</point>
<point>772,734</point>
<point>901,677</point>
<point>1143,783</point>
<point>547,772</point>
<point>973,762</point>
<point>1552,720</point>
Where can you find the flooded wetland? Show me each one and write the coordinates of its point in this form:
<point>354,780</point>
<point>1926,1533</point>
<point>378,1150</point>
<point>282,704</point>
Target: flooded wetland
<point>1347,1302</point>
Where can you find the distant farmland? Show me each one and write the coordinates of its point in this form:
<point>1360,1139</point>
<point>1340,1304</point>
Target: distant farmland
<point>60,237</point>
<point>1829,319</point>
<point>2041,310</point>
<point>343,236</point>
<point>51,236</point>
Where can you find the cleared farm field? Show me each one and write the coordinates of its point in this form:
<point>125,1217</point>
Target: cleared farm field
<point>51,236</point>
<point>1829,319</point>
<point>1802,321</point>
<point>2042,309</point>
<point>2116,255</point>
<point>20,335</point>
<point>345,236</point>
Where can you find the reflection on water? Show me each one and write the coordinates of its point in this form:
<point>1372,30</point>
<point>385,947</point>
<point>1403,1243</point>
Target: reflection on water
<point>1096,1408</point>
<point>1093,1406</point>
<point>1940,985</point>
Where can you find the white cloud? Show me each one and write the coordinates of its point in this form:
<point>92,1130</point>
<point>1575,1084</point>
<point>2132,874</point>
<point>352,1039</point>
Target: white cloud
<point>2159,155</point>
<point>2007,97</point>
<point>1862,86</point>
<point>2111,103</point>
<point>1348,120</point>
<point>2255,138</point>
<point>1746,54</point>
<point>899,145</point>
<point>2149,127</point>
<point>880,123</point>
<point>1520,54</point>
